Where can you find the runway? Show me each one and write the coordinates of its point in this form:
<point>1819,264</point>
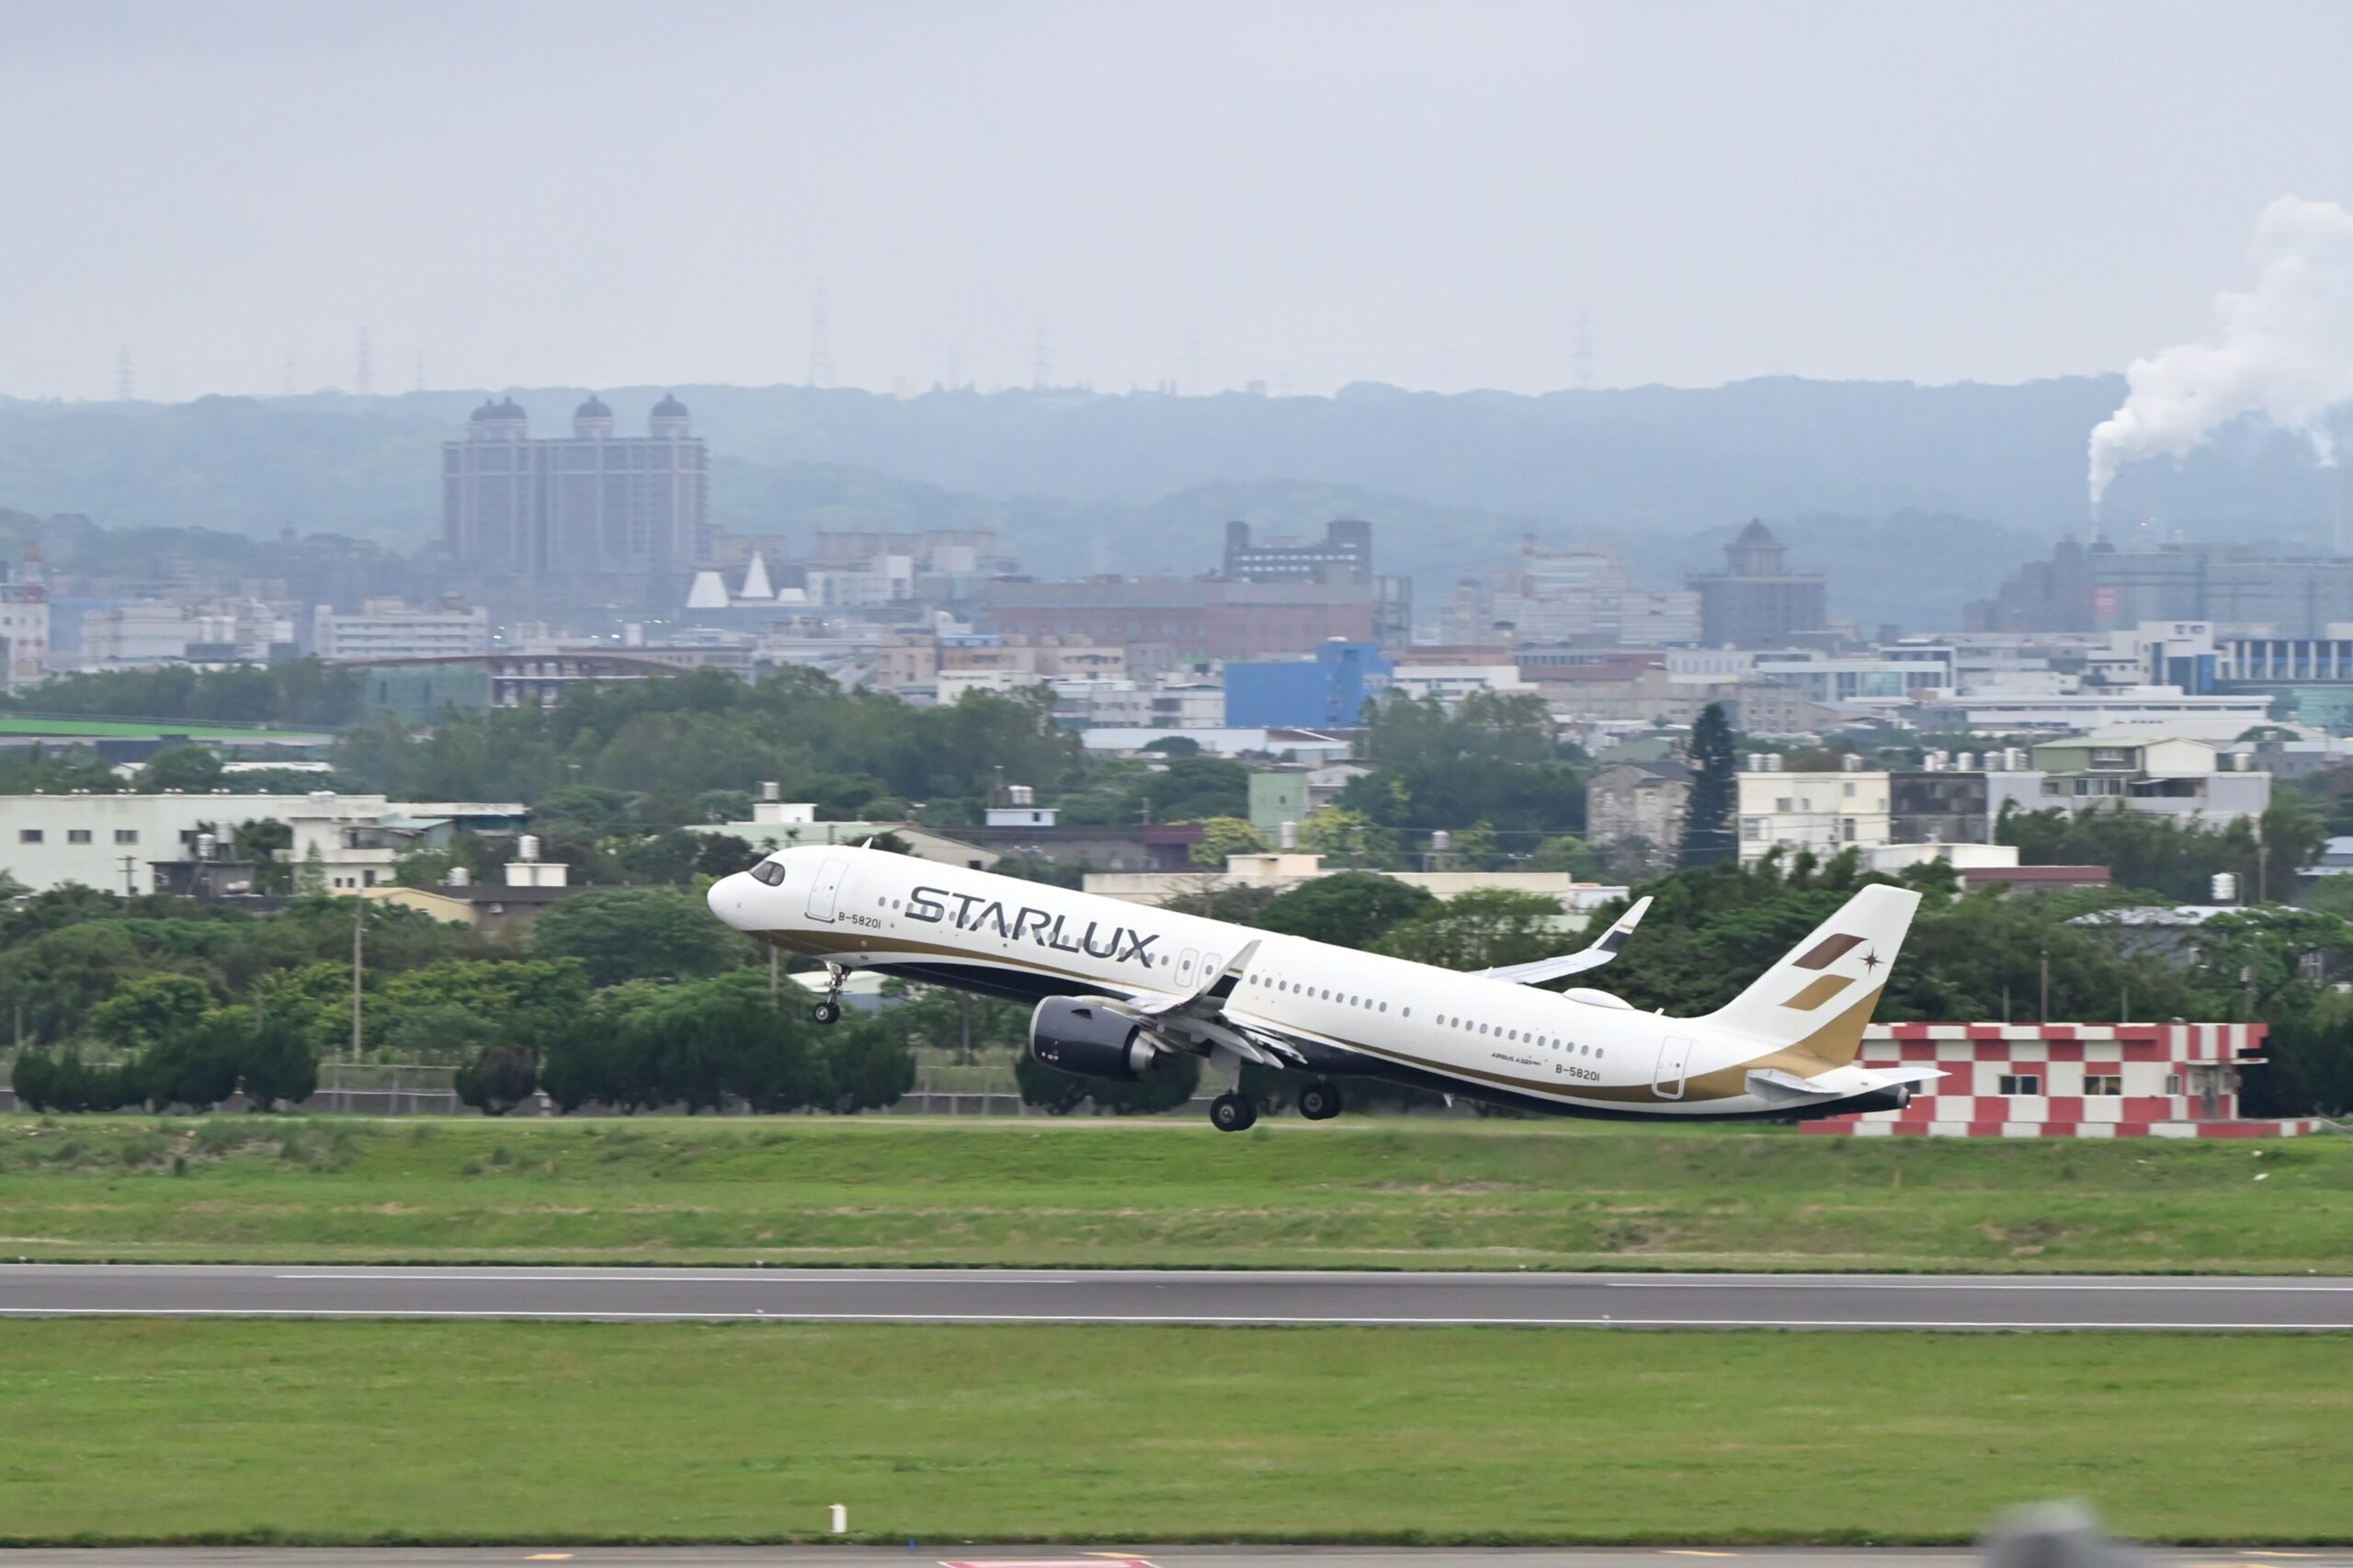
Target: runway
<point>934,1555</point>
<point>1838,1302</point>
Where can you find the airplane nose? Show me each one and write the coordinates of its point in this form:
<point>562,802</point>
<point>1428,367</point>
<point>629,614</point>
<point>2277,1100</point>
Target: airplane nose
<point>726,896</point>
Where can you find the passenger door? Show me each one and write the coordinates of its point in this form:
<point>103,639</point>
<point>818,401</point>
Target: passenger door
<point>1674,1060</point>
<point>826,888</point>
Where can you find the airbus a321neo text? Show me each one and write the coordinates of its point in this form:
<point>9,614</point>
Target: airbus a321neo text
<point>1122,989</point>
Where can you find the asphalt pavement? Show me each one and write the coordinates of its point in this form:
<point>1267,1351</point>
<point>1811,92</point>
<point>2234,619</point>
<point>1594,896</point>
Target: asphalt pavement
<point>1239,1297</point>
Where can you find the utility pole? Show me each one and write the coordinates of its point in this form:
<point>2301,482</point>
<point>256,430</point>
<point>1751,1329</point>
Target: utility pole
<point>2044,1016</point>
<point>130,887</point>
<point>775,958</point>
<point>358,960</point>
<point>821,344</point>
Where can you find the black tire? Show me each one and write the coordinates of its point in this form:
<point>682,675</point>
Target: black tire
<point>826,1012</point>
<point>1320,1101</point>
<point>1233,1113</point>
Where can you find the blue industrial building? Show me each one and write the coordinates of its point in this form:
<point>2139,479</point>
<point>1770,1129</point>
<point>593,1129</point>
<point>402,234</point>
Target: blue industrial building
<point>1325,692</point>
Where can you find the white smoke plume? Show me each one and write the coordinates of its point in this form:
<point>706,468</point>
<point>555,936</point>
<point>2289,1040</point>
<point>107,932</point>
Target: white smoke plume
<point>2284,352</point>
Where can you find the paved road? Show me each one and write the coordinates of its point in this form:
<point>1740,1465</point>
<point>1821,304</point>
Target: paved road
<point>1075,1557</point>
<point>938,1295</point>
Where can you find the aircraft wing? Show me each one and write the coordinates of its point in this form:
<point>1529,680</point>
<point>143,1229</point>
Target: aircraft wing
<point>1198,1018</point>
<point>1591,957</point>
<point>1205,1000</point>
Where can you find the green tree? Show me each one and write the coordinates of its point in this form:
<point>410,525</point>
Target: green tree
<point>190,769</point>
<point>1480,930</point>
<point>1566,853</point>
<point>150,1008</point>
<point>865,1067</point>
<point>1349,837</point>
<point>1707,825</point>
<point>1223,836</point>
<point>194,1065</point>
<point>617,934</point>
<point>1349,909</point>
<point>279,1064</point>
<point>499,1078</point>
<point>310,876</point>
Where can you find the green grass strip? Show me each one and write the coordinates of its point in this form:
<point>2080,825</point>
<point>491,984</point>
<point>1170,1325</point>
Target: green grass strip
<point>1356,1193</point>
<point>356,1432</point>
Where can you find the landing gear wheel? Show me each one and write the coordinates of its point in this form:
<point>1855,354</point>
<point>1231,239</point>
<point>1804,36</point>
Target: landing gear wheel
<point>830,1009</point>
<point>1319,1101</point>
<point>1233,1113</point>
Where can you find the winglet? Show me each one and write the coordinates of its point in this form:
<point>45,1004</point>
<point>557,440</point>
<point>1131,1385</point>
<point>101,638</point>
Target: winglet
<point>1593,956</point>
<point>1209,996</point>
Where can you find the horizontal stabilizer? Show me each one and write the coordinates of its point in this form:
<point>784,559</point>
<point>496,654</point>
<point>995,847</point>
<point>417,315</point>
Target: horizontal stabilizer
<point>1592,957</point>
<point>1777,1087</point>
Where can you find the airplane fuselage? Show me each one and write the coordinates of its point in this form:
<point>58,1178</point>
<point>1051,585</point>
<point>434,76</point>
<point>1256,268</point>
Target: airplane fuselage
<point>1346,1012</point>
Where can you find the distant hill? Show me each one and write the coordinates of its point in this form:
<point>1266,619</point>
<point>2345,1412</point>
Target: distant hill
<point>1906,495</point>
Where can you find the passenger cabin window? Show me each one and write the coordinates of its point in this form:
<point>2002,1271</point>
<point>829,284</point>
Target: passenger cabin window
<point>769,871</point>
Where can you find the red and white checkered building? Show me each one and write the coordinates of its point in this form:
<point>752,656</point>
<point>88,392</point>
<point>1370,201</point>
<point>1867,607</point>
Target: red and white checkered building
<point>2067,1080</point>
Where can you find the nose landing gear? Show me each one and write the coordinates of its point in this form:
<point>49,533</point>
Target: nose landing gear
<point>830,1009</point>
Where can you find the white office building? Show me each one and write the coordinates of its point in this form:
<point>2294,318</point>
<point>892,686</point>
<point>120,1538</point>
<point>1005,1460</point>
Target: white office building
<point>1824,813</point>
<point>112,842</point>
<point>394,629</point>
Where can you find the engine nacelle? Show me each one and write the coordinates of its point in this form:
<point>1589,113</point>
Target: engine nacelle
<point>1079,1034</point>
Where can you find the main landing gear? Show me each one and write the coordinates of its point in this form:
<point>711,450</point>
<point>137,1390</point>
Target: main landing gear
<point>1232,1112</point>
<point>830,1009</point>
<point>1320,1101</point>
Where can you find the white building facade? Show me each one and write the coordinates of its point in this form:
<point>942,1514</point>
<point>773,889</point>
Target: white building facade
<point>1824,813</point>
<point>112,842</point>
<point>394,629</point>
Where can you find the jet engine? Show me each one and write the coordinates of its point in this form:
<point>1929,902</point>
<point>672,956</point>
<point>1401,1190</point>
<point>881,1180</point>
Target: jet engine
<point>1078,1034</point>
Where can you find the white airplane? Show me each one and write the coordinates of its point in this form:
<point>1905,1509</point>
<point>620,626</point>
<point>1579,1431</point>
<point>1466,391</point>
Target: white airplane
<point>1122,988</point>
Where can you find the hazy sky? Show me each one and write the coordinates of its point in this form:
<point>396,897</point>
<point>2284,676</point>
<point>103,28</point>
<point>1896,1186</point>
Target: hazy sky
<point>1307,194</point>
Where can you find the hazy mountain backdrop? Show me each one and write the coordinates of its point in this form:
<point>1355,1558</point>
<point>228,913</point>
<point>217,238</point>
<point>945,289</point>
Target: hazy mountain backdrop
<point>1914,498</point>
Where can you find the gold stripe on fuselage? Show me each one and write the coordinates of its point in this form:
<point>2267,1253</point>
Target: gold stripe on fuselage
<point>1817,1052</point>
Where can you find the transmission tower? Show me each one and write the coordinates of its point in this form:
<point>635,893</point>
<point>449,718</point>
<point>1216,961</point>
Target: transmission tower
<point>821,344</point>
<point>1581,352</point>
<point>122,385</point>
<point>290,379</point>
<point>1041,361</point>
<point>363,365</point>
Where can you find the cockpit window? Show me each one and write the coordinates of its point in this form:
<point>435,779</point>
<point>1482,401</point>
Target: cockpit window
<point>770,872</point>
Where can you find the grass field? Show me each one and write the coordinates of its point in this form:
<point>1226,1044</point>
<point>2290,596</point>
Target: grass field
<point>544,1432</point>
<point>134,729</point>
<point>1355,1193</point>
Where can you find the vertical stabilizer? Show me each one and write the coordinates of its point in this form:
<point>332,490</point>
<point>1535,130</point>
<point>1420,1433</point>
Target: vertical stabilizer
<point>1817,999</point>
